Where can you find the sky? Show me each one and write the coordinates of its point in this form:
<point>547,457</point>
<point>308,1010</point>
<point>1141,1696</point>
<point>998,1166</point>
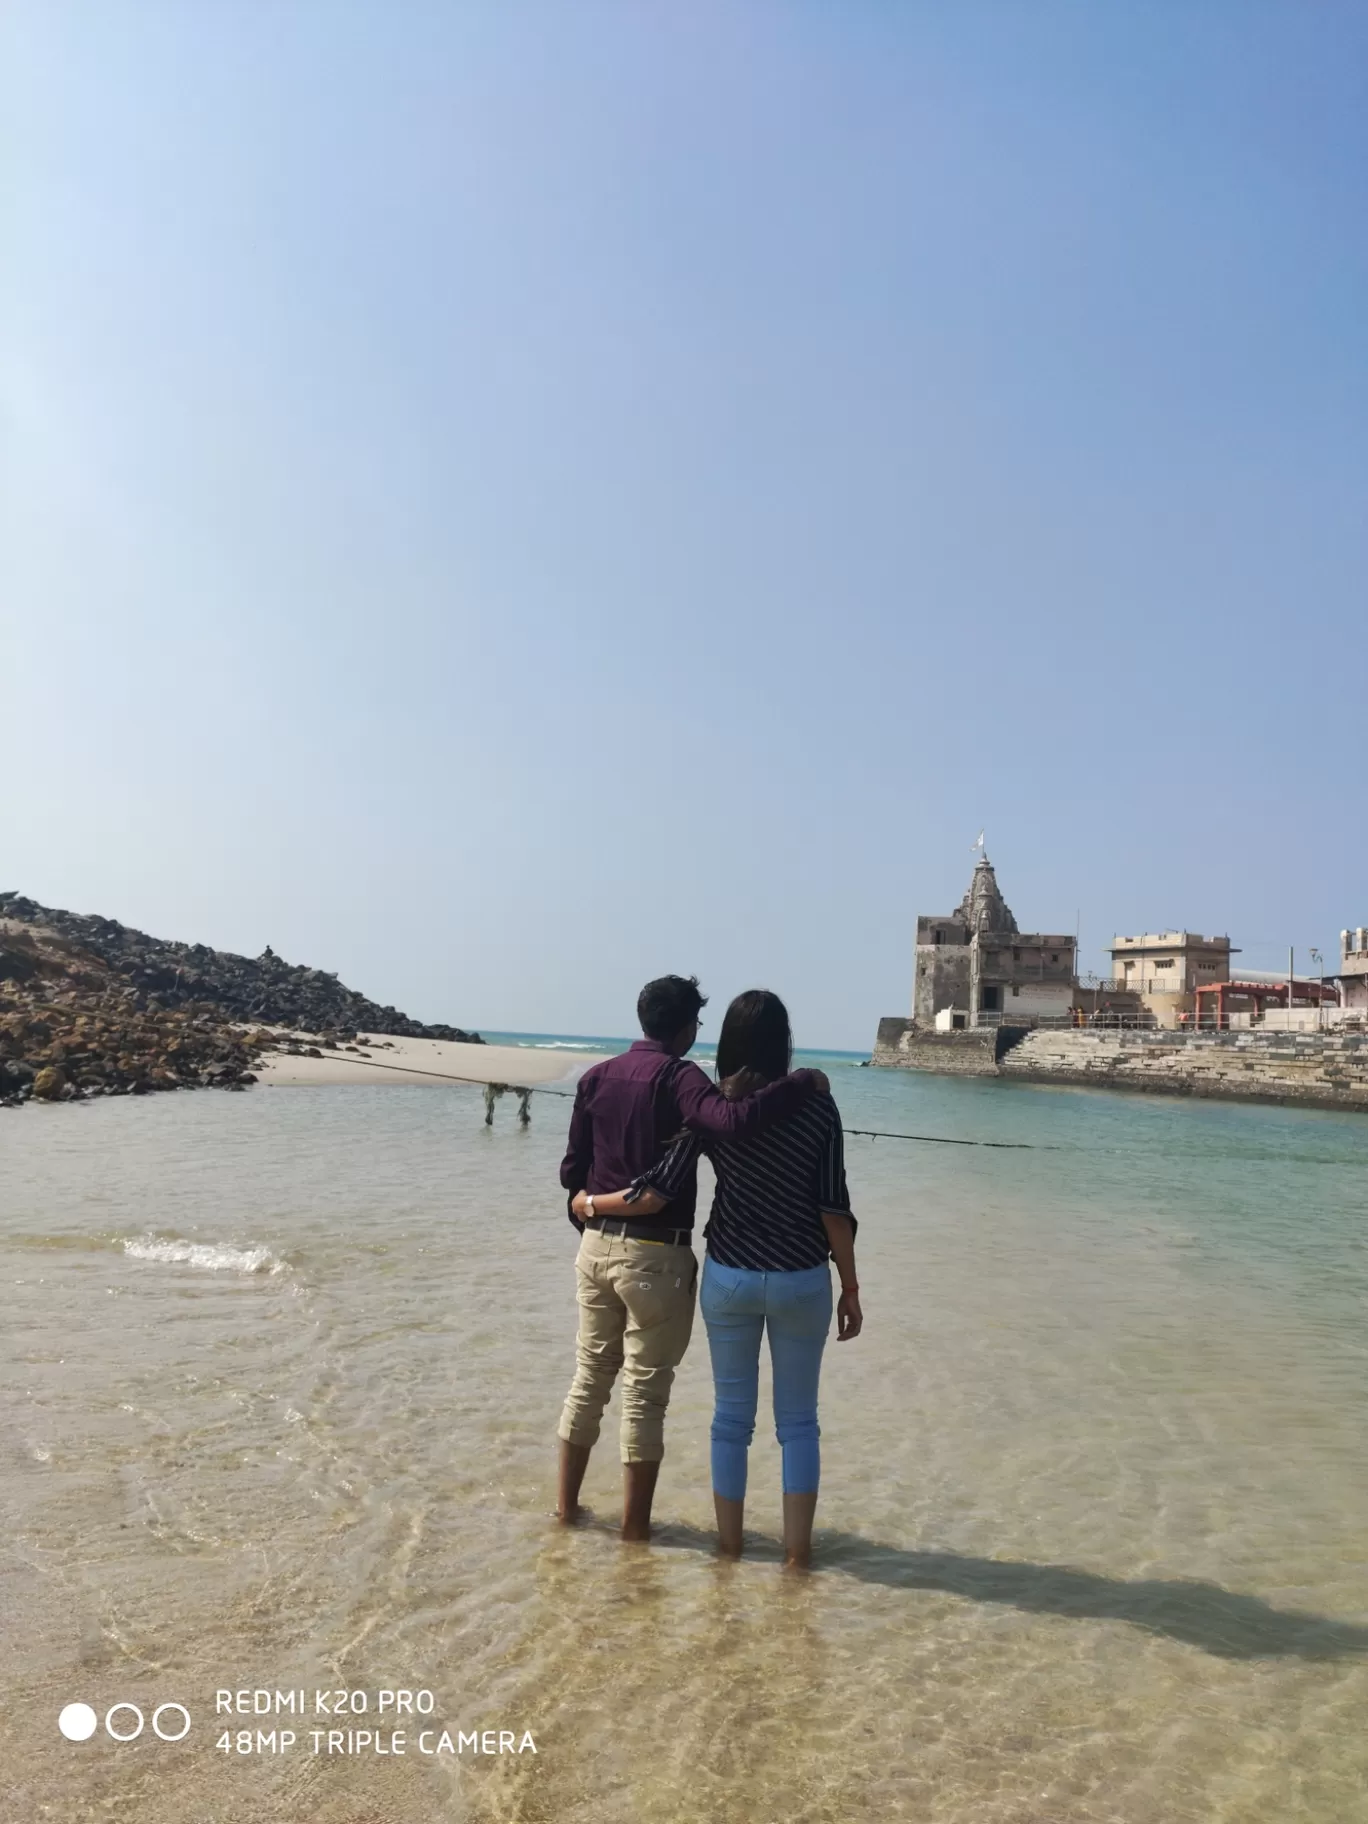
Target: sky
<point>503,502</point>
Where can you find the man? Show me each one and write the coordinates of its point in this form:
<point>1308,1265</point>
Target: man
<point>637,1279</point>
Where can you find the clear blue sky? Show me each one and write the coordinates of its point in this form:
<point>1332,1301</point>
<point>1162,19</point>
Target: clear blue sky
<point>502,501</point>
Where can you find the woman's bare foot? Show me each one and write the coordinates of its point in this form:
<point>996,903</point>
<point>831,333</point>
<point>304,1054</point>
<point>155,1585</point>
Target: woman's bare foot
<point>730,1518</point>
<point>799,1512</point>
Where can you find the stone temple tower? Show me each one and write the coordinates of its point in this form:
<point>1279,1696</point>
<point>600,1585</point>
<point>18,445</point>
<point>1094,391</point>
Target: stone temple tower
<point>975,967</point>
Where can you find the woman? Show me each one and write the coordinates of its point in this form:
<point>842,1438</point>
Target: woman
<point>781,1212</point>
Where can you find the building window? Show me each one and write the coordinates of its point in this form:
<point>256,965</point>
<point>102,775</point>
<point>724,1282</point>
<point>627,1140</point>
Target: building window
<point>1164,962</point>
<point>1054,956</point>
<point>1015,989</point>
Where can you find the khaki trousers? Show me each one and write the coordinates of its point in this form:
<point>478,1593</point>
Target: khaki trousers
<point>636,1312</point>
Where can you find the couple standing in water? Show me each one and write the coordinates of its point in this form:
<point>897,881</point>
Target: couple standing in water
<point>780,1215</point>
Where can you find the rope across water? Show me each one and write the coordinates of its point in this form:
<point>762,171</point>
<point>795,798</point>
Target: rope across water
<point>540,1089</point>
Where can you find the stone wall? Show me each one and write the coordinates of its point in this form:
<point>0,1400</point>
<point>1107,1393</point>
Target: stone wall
<point>1322,1070</point>
<point>1030,999</point>
<point>904,1045</point>
<point>1316,1069</point>
<point>941,980</point>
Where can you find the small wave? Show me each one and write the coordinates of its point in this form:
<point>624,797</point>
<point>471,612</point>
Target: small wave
<point>558,1041</point>
<point>211,1255</point>
<point>565,1045</point>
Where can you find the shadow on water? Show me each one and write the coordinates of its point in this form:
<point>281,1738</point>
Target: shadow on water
<point>1221,1622</point>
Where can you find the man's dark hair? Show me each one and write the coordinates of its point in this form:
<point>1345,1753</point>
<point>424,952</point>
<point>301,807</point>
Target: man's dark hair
<point>756,1036</point>
<point>666,1005</point>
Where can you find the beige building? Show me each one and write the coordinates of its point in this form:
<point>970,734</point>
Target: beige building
<point>1353,970</point>
<point>1166,968</point>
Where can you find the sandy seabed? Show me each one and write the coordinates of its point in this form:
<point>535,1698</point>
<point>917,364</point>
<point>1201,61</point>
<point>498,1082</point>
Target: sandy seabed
<point>279,1382</point>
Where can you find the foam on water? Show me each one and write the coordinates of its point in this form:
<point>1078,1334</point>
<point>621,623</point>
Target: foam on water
<point>214,1257</point>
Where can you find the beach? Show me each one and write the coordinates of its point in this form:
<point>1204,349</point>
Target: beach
<point>393,1062</point>
<point>281,1381</point>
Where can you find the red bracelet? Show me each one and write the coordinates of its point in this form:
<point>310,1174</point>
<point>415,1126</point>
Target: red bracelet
<point>854,1286</point>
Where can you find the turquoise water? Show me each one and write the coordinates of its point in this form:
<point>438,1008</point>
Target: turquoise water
<point>278,1390</point>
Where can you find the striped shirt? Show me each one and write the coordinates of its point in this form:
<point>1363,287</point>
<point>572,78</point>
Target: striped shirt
<point>771,1189</point>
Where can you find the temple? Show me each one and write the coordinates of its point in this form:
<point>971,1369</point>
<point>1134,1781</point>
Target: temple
<point>975,968</point>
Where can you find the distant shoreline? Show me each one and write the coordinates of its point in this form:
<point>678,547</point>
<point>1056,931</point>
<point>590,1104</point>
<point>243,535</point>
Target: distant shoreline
<point>524,1060</point>
<point>603,1046</point>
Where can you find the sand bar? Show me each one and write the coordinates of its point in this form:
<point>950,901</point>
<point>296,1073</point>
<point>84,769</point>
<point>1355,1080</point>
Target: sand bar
<point>398,1061</point>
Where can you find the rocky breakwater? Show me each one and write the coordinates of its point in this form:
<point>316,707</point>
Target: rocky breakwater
<point>70,1029</point>
<point>91,1007</point>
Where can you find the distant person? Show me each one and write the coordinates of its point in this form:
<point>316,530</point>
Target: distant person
<point>781,1213</point>
<point>635,1271</point>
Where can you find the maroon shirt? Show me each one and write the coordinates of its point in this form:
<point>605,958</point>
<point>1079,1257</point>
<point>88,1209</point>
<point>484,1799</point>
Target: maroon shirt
<point>629,1108</point>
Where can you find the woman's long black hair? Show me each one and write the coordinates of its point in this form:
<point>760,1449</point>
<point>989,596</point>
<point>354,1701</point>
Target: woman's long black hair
<point>755,1036</point>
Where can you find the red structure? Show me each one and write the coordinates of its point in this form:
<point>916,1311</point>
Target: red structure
<point>1263,995</point>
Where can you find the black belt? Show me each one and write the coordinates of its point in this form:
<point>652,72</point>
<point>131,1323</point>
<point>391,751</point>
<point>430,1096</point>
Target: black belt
<point>640,1231</point>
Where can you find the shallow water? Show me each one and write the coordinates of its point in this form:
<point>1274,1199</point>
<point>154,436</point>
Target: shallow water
<point>280,1386</point>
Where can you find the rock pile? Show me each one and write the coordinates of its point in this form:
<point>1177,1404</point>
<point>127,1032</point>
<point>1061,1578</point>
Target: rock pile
<point>91,1007</point>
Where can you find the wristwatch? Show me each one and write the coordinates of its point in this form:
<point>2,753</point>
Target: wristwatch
<point>588,1206</point>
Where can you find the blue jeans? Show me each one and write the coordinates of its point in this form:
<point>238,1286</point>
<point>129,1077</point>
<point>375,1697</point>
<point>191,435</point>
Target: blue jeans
<point>736,1305</point>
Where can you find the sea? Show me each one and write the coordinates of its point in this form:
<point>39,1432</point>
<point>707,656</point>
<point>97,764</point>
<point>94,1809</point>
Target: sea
<point>281,1376</point>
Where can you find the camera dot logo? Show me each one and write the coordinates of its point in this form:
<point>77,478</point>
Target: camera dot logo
<point>78,1722</point>
<point>165,1735</point>
<point>126,1732</point>
<point>124,1722</point>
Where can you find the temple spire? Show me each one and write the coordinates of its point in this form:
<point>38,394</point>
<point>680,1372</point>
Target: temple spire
<point>983,908</point>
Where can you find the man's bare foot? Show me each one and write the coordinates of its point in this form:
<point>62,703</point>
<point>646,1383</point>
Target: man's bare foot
<point>638,1492</point>
<point>574,1460</point>
<point>568,1516</point>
